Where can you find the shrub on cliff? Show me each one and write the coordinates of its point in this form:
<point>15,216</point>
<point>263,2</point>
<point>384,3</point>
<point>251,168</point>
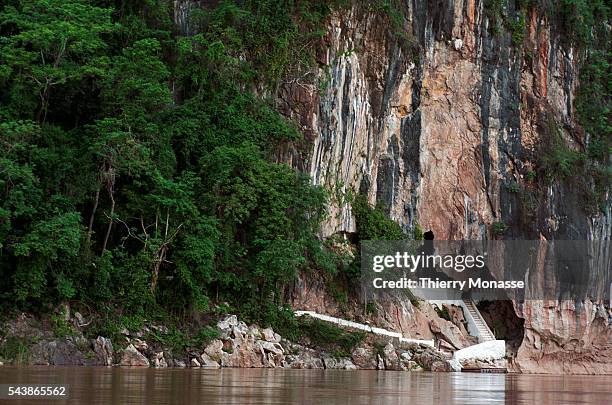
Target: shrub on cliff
<point>373,223</point>
<point>327,336</point>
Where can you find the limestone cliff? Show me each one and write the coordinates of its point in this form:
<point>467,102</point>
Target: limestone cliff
<point>440,119</point>
<point>442,125</point>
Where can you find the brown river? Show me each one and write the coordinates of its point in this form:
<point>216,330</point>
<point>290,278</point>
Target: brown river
<point>91,385</point>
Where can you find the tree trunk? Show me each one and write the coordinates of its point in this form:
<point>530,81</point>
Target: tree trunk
<point>110,222</point>
<point>93,214</point>
<point>161,257</point>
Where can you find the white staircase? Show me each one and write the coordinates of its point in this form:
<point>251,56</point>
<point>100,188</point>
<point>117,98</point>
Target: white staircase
<point>484,333</point>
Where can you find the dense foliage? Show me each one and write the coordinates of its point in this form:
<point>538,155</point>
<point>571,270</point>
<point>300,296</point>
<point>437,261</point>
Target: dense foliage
<point>373,223</point>
<point>137,171</point>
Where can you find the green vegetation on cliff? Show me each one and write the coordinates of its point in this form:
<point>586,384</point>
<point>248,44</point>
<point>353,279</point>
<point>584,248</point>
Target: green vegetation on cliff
<point>586,25</point>
<point>583,26</point>
<point>137,172</point>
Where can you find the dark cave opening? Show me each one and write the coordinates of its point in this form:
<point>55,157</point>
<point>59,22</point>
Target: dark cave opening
<point>503,322</point>
<point>351,237</point>
<point>429,235</point>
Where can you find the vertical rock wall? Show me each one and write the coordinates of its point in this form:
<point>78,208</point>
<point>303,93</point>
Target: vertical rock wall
<point>442,132</point>
<point>440,125</point>
<point>438,135</point>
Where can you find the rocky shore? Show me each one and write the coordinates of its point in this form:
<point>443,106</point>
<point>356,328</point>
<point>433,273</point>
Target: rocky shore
<point>237,345</point>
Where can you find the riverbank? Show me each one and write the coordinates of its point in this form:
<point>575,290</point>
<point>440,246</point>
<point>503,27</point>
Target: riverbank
<point>230,343</point>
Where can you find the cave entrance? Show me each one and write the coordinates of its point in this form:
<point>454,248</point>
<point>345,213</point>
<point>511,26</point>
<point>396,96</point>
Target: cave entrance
<point>503,322</point>
<point>351,237</point>
<point>429,235</point>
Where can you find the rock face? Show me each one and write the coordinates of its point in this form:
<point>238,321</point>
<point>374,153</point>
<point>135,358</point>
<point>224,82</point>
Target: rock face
<point>301,357</point>
<point>449,332</point>
<point>441,126</point>
<point>565,337</point>
<point>241,346</point>
<point>443,133</point>
<point>60,353</point>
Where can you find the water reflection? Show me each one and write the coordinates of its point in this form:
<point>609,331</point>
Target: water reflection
<point>327,387</point>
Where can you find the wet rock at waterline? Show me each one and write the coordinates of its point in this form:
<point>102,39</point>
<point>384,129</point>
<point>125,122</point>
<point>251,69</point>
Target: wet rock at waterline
<point>133,358</point>
<point>239,345</point>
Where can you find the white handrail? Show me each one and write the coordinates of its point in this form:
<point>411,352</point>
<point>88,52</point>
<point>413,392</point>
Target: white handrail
<point>367,328</point>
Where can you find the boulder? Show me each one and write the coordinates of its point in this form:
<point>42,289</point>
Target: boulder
<point>208,362</point>
<point>69,352</point>
<point>275,348</point>
<point>255,332</point>
<point>410,366</point>
<point>332,363</point>
<point>303,358</point>
<point>26,327</point>
<point>433,360</point>
<point>195,362</point>
<point>391,358</point>
<point>40,353</point>
<point>441,366</point>
<point>364,358</point>
<point>139,344</point>
<point>248,354</point>
<point>159,361</point>
<point>270,336</point>
<point>160,329</point>
<point>103,348</point>
<point>272,360</point>
<point>405,356</point>
<point>133,358</point>
<point>240,330</point>
<point>226,324</point>
<point>215,350</point>
<point>448,332</point>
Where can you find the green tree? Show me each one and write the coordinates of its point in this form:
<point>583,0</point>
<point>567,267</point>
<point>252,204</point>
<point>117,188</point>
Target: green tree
<point>49,43</point>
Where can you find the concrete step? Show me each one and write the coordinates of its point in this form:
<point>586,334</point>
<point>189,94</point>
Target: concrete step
<point>484,332</point>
